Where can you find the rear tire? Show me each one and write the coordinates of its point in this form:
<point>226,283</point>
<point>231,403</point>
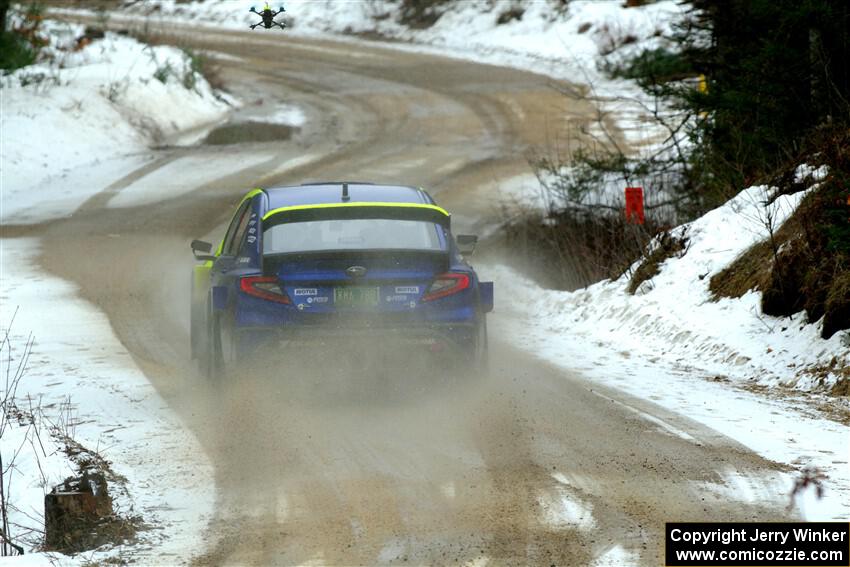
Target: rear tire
<point>198,337</point>
<point>481,360</point>
<point>474,358</point>
<point>214,360</point>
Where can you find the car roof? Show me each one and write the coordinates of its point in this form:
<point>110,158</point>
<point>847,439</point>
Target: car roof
<point>331,192</point>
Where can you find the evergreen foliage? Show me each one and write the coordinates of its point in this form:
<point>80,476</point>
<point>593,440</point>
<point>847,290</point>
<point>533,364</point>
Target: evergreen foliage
<point>19,47</point>
<point>778,95</point>
<point>775,70</point>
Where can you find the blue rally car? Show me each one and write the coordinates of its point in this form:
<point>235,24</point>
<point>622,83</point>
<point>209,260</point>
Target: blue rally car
<point>329,261</point>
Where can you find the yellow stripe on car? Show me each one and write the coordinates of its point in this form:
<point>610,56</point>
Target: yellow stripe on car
<point>249,195</point>
<point>356,204</point>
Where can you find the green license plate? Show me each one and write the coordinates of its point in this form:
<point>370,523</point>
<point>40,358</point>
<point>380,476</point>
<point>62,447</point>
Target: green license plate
<point>356,296</point>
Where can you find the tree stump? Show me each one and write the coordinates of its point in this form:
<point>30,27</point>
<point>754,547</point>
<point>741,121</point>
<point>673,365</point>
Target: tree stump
<point>72,511</point>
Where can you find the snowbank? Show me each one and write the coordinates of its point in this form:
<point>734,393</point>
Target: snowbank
<point>673,318</point>
<point>80,374</point>
<point>95,107</point>
<point>98,108</point>
<point>673,344</point>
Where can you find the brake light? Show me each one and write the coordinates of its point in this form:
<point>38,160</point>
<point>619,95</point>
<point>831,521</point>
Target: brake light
<point>446,284</point>
<point>264,287</point>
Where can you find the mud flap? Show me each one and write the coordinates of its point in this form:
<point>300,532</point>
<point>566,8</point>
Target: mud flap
<point>485,291</point>
<point>219,298</point>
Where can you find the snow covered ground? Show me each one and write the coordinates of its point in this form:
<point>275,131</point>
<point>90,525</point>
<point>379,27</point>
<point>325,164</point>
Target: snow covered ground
<point>718,362</point>
<point>72,126</point>
<point>99,107</point>
<point>672,317</point>
<point>81,374</point>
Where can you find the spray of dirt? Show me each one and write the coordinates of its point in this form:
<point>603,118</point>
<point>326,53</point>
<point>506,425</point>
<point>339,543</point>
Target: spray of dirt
<point>357,467</point>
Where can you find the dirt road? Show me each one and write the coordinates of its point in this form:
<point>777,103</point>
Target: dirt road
<point>529,466</point>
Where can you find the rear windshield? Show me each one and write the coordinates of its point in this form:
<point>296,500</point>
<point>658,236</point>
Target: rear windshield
<point>351,234</point>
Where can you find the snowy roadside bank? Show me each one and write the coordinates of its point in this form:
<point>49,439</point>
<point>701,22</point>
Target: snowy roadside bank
<point>672,344</point>
<point>672,316</point>
<point>78,366</point>
<point>72,125</point>
<point>99,107</point>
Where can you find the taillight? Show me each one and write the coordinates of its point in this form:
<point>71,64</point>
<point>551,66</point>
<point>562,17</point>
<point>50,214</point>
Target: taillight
<point>446,284</point>
<point>264,287</point>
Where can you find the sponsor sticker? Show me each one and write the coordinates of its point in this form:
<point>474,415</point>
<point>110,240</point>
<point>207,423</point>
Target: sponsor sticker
<point>407,289</point>
<point>317,300</point>
<point>306,291</point>
<point>396,298</point>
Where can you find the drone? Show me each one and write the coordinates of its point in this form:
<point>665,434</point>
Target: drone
<point>268,15</point>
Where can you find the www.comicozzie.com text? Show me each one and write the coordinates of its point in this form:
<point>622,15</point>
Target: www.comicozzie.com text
<point>726,536</point>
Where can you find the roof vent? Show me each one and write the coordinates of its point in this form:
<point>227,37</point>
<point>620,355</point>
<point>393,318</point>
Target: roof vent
<point>345,197</point>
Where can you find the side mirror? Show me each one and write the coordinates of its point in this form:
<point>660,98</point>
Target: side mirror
<point>201,250</point>
<point>466,243</point>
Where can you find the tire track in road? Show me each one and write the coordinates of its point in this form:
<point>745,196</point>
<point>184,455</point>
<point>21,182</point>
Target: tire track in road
<point>100,200</point>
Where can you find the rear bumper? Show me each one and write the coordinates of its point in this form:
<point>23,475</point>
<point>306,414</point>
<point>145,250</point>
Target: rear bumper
<point>450,338</point>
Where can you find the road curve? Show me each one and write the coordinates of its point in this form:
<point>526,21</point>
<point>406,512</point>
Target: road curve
<point>528,466</point>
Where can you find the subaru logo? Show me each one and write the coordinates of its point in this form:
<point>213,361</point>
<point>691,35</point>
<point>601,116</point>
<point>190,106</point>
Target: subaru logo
<point>355,272</point>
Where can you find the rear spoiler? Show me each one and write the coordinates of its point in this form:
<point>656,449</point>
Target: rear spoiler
<point>357,210</point>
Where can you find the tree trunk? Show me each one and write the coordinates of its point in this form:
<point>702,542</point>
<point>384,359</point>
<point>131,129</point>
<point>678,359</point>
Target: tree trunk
<point>4,9</point>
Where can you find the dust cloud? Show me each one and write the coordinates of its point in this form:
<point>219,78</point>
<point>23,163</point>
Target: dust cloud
<point>352,457</point>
